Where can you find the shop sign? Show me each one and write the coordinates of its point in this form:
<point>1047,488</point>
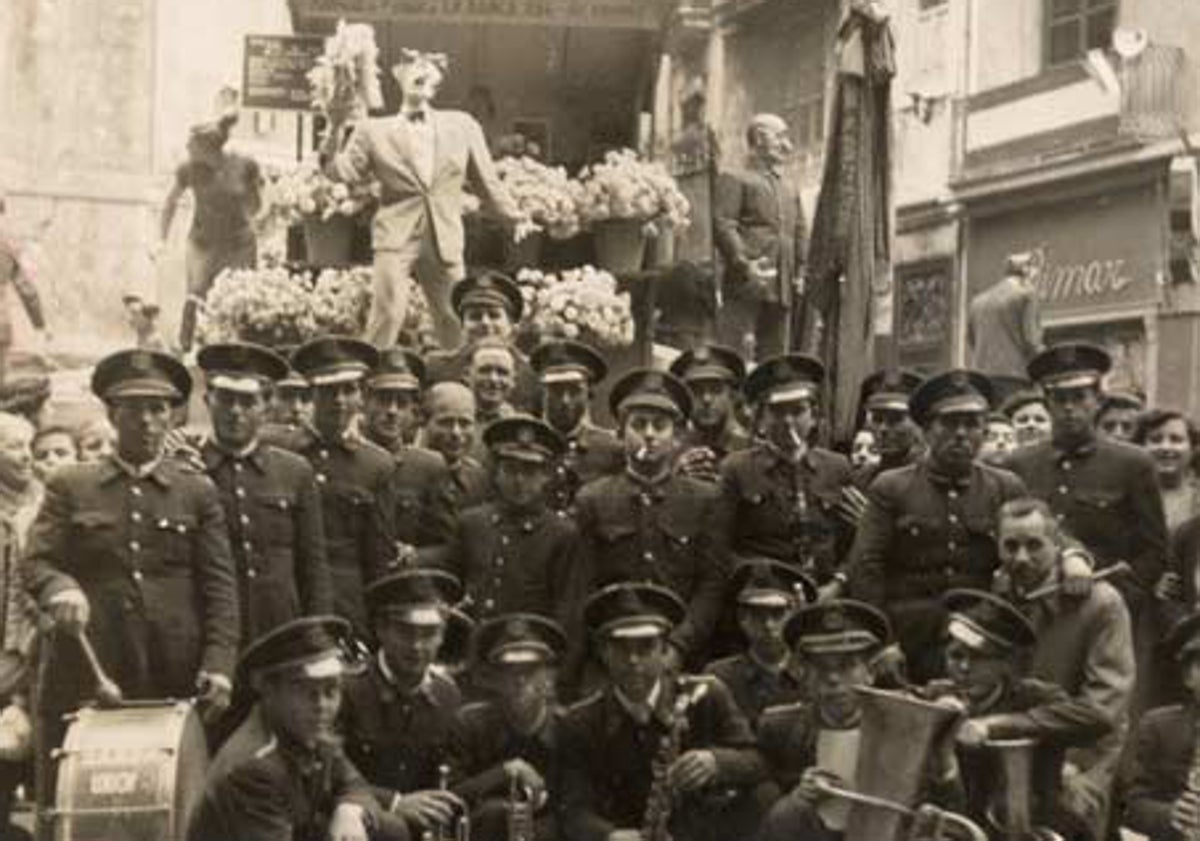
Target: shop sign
<point>615,14</point>
<point>275,71</point>
<point>1097,253</point>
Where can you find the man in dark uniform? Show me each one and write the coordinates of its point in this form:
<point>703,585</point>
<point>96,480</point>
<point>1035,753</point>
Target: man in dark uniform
<point>291,399</point>
<point>932,525</point>
<point>714,374</point>
<point>884,398</point>
<point>650,524</point>
<point>612,741</point>
<point>490,305</point>
<point>424,515</point>
<point>291,782</point>
<point>399,715</point>
<point>766,673</point>
<point>987,645</point>
<point>514,554</point>
<point>508,746</point>
<point>1104,493</point>
<point>569,373</point>
<point>354,477</point>
<point>1162,800</point>
<point>450,432</point>
<point>134,551</point>
<point>779,498</point>
<point>269,495</point>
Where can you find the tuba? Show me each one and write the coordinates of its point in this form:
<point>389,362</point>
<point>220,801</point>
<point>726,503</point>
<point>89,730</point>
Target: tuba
<point>899,733</point>
<point>1011,810</point>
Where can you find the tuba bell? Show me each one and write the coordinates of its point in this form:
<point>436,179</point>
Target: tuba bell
<point>1011,811</point>
<point>898,734</point>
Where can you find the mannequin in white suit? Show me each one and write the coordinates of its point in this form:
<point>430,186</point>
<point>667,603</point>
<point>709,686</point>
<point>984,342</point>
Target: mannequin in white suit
<point>421,156</point>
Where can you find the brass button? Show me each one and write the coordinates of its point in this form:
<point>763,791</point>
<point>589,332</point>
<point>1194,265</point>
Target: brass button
<point>134,546</point>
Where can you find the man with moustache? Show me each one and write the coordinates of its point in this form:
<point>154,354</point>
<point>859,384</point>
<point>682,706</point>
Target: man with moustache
<point>354,477</point>
<point>269,495</point>
<point>569,373</point>
<point>714,374</point>
<point>649,524</point>
<point>931,526</point>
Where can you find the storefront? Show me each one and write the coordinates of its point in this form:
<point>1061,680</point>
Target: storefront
<point>1102,246</point>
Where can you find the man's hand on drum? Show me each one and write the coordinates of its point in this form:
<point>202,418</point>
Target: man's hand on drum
<point>348,823</point>
<point>428,809</point>
<point>213,694</point>
<point>69,610</point>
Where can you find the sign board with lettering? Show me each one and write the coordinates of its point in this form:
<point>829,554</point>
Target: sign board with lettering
<point>275,71</point>
<point>1101,253</point>
<point>616,14</point>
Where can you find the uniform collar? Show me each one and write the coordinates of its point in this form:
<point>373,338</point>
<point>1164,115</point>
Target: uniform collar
<point>781,459</point>
<point>654,488</point>
<point>527,521</point>
<point>117,466</point>
<point>348,440</point>
<point>947,481</point>
<point>642,713</point>
<point>215,455</point>
<point>424,689</point>
<point>1083,450</point>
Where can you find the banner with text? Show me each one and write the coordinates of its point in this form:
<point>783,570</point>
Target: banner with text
<point>615,14</point>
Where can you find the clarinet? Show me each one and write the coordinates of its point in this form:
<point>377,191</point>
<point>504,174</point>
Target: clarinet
<point>661,799</point>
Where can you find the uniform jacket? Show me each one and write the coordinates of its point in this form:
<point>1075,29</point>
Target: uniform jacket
<point>356,481</point>
<point>280,792</point>
<point>663,533</point>
<point>1157,772</point>
<point>758,214</point>
<point>276,535</point>
<point>424,498</point>
<point>485,740</point>
<point>755,687</point>
<point>607,757</point>
<point>152,556</point>
<point>1106,495</point>
<point>514,563</point>
<point>592,452</point>
<point>770,507</point>
<point>381,148</point>
<point>399,740</point>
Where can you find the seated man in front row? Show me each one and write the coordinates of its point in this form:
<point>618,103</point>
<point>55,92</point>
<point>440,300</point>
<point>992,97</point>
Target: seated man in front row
<point>298,785</point>
<point>623,776</point>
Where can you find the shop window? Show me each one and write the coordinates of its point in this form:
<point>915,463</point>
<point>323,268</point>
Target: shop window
<point>923,305</point>
<point>1075,26</point>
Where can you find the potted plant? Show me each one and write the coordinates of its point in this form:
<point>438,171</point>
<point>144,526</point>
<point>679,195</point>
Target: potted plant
<point>327,209</point>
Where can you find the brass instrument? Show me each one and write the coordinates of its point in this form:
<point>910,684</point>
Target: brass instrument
<point>661,798</point>
<point>1117,569</point>
<point>898,733</point>
<point>1011,810</point>
<point>460,828</point>
<point>520,811</point>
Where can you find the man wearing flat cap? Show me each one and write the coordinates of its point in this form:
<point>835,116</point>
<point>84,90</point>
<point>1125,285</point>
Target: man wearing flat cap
<point>489,304</point>
<point>779,498</point>
<point>986,647</point>
<point>424,516</point>
<point>931,526</point>
<point>569,373</point>
<point>400,714</point>
<point>269,495</point>
<point>714,374</point>
<point>421,157</point>
<point>1103,493</point>
<point>354,477</point>
<point>292,779</point>
<point>1161,800</point>
<point>133,550</point>
<point>648,523</point>
<point>1004,326</point>
<point>612,740</point>
<point>514,554</point>
<point>510,744</point>
<point>765,673</point>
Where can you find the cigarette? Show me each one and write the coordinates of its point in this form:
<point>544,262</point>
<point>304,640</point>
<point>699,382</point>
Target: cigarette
<point>641,454</point>
<point>795,436</point>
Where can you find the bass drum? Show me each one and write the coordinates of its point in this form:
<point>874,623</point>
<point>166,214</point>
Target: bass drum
<point>130,774</point>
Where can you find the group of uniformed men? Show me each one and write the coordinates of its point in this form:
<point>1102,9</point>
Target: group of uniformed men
<point>705,583</point>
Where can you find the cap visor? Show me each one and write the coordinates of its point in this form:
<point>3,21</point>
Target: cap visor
<point>764,598</point>
<point>564,375</point>
<point>790,393</point>
<point>635,630</point>
<point>843,643</point>
<point>522,654</point>
<point>330,666</point>
<point>1076,379</point>
<point>894,402</point>
<point>962,403</point>
<point>394,382</point>
<point>143,388</point>
<point>344,375</point>
<point>238,385</point>
<point>701,373</point>
<point>650,401</point>
<point>427,616</point>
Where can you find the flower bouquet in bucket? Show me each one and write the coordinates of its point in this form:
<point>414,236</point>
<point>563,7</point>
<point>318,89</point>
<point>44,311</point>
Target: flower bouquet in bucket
<point>547,195</point>
<point>270,306</point>
<point>303,192</point>
<point>623,199</point>
<point>345,80</point>
<point>581,304</point>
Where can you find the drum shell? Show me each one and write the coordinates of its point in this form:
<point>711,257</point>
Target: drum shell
<point>130,774</point>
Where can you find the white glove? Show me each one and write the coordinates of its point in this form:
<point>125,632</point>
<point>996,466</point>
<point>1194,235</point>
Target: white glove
<point>16,734</point>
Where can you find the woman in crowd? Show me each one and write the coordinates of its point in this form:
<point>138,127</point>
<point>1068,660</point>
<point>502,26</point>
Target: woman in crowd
<point>1170,438</point>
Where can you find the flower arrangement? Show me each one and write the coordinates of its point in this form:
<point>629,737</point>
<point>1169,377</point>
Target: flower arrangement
<point>623,186</point>
<point>545,194</point>
<point>580,303</point>
<point>305,192</point>
<point>346,77</point>
<point>274,307</point>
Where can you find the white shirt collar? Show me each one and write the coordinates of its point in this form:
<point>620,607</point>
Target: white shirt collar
<point>137,471</point>
<point>643,710</point>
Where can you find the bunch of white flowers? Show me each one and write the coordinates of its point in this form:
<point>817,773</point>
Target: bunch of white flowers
<point>304,192</point>
<point>623,186</point>
<point>270,306</point>
<point>340,300</point>
<point>547,195</point>
<point>347,73</point>
<point>581,304</point>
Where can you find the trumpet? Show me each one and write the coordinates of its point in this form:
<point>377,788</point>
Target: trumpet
<point>520,811</point>
<point>460,829</point>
